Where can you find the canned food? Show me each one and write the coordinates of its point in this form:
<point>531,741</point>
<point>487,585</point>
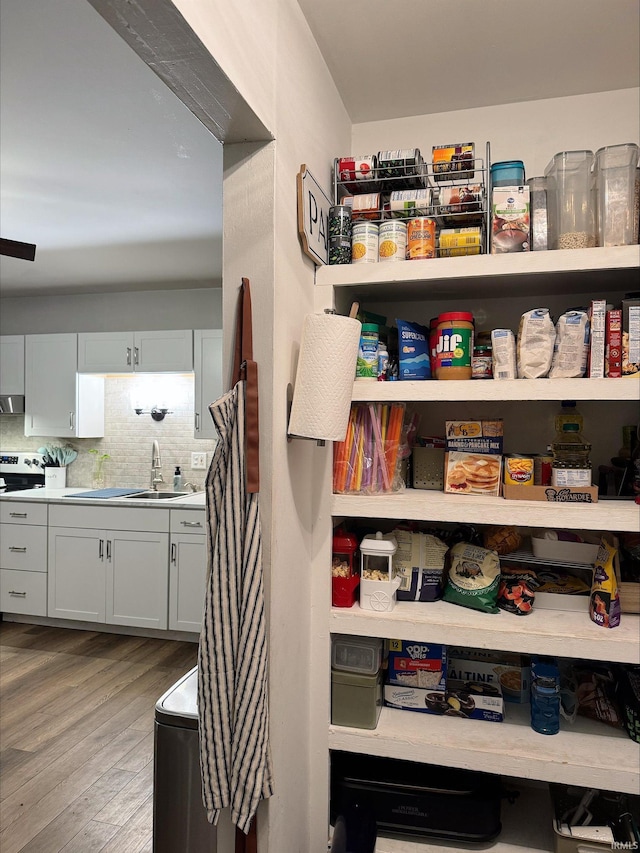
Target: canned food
<point>482,362</point>
<point>340,234</point>
<point>405,204</point>
<point>542,466</point>
<point>460,199</point>
<point>392,241</point>
<point>450,160</point>
<point>453,242</point>
<point>363,205</point>
<point>421,238</point>
<point>364,243</point>
<point>353,170</point>
<point>518,469</point>
<point>404,164</point>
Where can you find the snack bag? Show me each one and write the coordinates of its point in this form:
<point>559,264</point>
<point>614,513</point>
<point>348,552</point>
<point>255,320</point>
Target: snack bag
<point>473,578</point>
<point>604,604</point>
<point>516,592</point>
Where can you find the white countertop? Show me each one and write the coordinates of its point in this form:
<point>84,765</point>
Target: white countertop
<point>194,501</point>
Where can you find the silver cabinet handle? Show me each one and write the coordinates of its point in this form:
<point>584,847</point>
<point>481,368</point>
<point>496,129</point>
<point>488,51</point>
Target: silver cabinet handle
<point>18,514</point>
<point>174,552</point>
<point>136,354</point>
<point>191,523</point>
<point>101,550</point>
<point>17,594</point>
<point>109,550</point>
<point>72,416</point>
<point>129,356</point>
<point>19,550</point>
<point>197,416</point>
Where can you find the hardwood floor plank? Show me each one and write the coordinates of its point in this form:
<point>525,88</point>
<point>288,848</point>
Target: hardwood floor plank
<point>59,832</point>
<point>135,836</point>
<point>91,839</point>
<point>10,758</point>
<point>125,804</point>
<point>140,756</point>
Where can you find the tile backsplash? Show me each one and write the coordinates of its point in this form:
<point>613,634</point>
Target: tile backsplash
<point>128,438</point>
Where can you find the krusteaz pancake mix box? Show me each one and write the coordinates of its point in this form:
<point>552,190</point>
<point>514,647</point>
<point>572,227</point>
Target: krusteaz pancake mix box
<point>473,459</point>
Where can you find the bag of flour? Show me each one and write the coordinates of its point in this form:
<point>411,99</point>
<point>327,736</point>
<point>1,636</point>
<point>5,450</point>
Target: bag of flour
<point>536,337</point>
<point>571,348</point>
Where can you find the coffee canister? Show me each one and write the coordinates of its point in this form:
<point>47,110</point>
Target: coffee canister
<point>392,241</point>
<point>364,243</point>
<point>340,234</point>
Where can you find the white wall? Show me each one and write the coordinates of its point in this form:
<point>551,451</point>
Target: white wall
<point>533,131</point>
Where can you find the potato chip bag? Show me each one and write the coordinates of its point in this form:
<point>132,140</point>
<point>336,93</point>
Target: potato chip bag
<point>473,577</point>
<point>604,604</point>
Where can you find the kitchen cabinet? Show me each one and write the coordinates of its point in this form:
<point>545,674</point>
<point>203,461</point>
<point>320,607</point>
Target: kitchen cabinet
<point>11,364</point>
<point>23,558</point>
<point>108,564</point>
<point>589,753</point>
<point>136,352</point>
<point>187,570</point>
<point>207,365</point>
<point>59,401</point>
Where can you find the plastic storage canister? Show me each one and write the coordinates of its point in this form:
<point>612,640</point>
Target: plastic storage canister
<point>454,345</point>
<point>508,173</point>
<point>538,209</point>
<point>356,699</point>
<point>615,193</point>
<point>356,654</point>
<point>367,364</point>
<point>570,200</point>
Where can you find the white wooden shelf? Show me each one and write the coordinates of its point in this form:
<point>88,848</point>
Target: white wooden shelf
<point>526,828</point>
<point>561,633</point>
<point>425,505</point>
<point>488,390</point>
<point>560,271</point>
<point>587,753</point>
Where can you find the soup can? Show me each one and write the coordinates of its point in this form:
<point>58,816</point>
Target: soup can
<point>404,166</point>
<point>460,241</point>
<point>340,234</point>
<point>542,465</point>
<point>356,170</point>
<point>364,243</point>
<point>406,204</point>
<point>392,241</point>
<point>518,469</point>
<point>421,238</point>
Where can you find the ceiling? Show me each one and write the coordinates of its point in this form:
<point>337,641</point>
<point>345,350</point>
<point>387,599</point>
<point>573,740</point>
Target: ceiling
<point>102,167</point>
<point>120,186</point>
<point>394,58</point>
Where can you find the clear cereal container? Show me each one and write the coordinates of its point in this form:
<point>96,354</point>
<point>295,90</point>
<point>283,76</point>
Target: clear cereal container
<point>356,654</point>
<point>570,200</point>
<point>615,192</point>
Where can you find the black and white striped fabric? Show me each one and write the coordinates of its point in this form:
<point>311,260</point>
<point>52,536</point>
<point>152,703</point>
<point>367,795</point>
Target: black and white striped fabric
<point>235,757</point>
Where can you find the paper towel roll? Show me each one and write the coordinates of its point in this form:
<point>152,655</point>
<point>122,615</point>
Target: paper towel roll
<point>324,379</point>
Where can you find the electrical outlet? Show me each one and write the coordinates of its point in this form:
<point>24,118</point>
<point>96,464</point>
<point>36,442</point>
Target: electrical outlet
<point>198,461</point>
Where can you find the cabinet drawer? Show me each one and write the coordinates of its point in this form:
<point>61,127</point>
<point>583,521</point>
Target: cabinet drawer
<point>188,521</point>
<point>23,547</point>
<point>113,517</point>
<point>23,592</point>
<point>23,513</point>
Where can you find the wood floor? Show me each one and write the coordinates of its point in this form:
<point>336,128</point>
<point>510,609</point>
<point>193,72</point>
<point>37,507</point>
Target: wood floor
<point>76,737</point>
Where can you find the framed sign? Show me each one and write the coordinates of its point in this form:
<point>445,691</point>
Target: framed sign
<point>313,217</point>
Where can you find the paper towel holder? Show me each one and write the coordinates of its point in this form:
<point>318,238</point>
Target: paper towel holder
<point>290,436</point>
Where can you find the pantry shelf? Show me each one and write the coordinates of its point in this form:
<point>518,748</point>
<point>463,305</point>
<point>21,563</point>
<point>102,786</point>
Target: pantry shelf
<point>619,390</point>
<point>586,753</point>
<point>559,633</point>
<point>424,505</point>
<point>527,273</point>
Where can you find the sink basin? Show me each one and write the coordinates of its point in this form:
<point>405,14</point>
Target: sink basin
<point>156,496</point>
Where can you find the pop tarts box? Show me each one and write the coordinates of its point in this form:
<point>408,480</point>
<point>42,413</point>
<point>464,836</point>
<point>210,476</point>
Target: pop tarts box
<point>416,675</point>
<point>474,436</point>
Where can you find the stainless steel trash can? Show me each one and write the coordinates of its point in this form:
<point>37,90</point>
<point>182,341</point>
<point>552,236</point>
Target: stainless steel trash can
<point>180,822</point>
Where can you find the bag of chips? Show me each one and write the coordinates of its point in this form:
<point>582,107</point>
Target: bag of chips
<point>473,577</point>
<point>516,592</point>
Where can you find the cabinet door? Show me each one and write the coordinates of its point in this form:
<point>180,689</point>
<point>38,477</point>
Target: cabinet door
<point>208,378</point>
<point>105,352</point>
<point>137,578</point>
<point>187,578</point>
<point>164,352</point>
<point>12,364</point>
<point>50,384</point>
<point>77,574</point>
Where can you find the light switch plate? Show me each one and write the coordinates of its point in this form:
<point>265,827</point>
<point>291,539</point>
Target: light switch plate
<point>198,461</point>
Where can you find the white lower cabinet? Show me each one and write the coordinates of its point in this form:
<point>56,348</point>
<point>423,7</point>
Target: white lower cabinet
<point>77,574</point>
<point>187,570</point>
<point>137,578</point>
<point>23,559</point>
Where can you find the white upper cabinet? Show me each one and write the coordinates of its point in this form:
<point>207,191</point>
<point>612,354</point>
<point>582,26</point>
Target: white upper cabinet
<point>12,364</point>
<point>207,345</point>
<point>143,352</point>
<point>58,401</point>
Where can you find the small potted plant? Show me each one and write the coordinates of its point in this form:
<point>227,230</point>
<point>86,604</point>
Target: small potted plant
<point>99,478</point>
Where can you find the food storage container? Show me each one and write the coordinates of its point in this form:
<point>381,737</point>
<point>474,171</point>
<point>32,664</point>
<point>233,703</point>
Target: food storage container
<point>508,173</point>
<point>538,212</point>
<point>356,654</point>
<point>356,699</point>
<point>570,203</point>
<point>615,169</point>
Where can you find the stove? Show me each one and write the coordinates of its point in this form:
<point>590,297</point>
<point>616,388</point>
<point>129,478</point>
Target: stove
<point>19,471</point>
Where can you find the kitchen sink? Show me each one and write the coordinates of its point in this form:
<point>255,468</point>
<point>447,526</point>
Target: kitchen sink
<point>157,496</point>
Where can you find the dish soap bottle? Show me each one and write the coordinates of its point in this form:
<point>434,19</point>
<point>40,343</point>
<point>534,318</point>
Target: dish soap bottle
<point>177,479</point>
<point>571,463</point>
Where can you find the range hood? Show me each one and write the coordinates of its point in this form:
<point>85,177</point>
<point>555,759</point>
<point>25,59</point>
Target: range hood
<point>11,404</point>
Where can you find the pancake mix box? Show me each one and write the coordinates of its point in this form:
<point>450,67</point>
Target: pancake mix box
<point>472,473</point>
<point>474,436</point>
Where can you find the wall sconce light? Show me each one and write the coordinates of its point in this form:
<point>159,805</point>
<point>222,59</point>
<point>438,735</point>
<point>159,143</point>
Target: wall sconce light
<point>156,413</point>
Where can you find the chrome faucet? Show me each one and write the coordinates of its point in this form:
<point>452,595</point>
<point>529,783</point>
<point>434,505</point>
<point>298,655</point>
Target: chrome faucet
<point>156,465</point>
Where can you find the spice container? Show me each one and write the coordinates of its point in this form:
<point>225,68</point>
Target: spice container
<point>340,234</point>
<point>615,170</point>
<point>538,211</point>
<point>508,173</point>
<point>570,203</point>
<point>454,345</point>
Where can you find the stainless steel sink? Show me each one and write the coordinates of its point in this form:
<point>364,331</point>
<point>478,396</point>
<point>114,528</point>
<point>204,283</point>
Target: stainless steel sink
<point>156,496</point>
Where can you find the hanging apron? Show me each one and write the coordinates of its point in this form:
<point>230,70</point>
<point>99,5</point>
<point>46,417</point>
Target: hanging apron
<point>235,757</point>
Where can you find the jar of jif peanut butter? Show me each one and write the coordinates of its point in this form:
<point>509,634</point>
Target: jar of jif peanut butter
<point>454,345</point>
